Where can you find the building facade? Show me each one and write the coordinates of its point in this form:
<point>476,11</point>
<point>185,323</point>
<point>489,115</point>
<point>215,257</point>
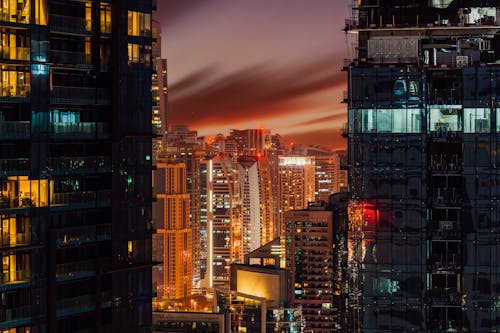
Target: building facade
<point>222,213</point>
<point>296,181</point>
<point>257,202</point>
<point>310,253</point>
<point>171,212</point>
<point>75,175</point>
<point>423,135</point>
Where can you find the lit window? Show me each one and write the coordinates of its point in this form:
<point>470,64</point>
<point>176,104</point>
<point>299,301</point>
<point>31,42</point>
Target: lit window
<point>139,24</point>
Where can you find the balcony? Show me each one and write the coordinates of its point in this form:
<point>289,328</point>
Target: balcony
<point>67,57</point>
<point>15,277</point>
<point>14,92</point>
<point>13,317</point>
<point>80,95</point>
<point>82,199</point>
<point>13,240</point>
<point>445,297</point>
<point>14,166</point>
<point>14,16</point>
<point>15,130</point>
<point>14,53</point>
<point>447,197</point>
<point>11,201</point>
<point>82,235</point>
<point>79,164</point>
<point>81,269</point>
<point>70,24</point>
<point>84,130</point>
<point>446,230</point>
<point>445,163</point>
<point>74,305</point>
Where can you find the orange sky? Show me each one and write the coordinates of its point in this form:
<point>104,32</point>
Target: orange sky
<point>247,64</point>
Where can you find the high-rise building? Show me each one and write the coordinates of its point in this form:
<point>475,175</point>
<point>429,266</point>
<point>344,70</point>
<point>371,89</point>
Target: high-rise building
<point>311,258</point>
<point>330,176</point>
<point>257,202</point>
<point>249,142</point>
<point>159,90</point>
<point>296,184</point>
<point>183,147</point>
<point>75,166</point>
<point>221,211</point>
<point>424,130</point>
<point>171,212</point>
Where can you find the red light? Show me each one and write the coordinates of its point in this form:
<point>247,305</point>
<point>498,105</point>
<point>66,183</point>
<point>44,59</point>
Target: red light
<point>370,215</point>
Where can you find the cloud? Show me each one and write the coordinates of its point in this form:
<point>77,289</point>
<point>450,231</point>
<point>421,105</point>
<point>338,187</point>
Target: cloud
<point>335,119</point>
<point>328,138</point>
<point>194,79</point>
<point>255,92</point>
<point>172,10</point>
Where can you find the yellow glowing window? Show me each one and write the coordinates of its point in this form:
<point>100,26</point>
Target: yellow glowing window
<point>105,18</point>
<point>139,24</point>
<point>14,81</point>
<point>15,11</point>
<point>130,247</point>
<point>41,12</point>
<point>133,52</point>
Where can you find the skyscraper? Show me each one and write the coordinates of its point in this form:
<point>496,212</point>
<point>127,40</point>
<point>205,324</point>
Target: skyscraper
<point>257,202</point>
<point>296,184</point>
<point>171,211</point>
<point>160,92</point>
<point>221,209</point>
<point>423,135</point>
<point>75,156</point>
<point>183,147</point>
<point>310,245</point>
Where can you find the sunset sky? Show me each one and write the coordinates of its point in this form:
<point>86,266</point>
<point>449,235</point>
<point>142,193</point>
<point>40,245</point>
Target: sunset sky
<point>246,64</point>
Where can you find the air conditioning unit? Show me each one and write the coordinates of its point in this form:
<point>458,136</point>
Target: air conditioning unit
<point>462,61</point>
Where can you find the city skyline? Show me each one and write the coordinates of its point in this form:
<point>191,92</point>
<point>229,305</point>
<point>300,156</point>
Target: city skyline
<point>285,76</point>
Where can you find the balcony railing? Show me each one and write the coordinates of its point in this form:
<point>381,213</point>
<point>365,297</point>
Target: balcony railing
<point>80,302</point>
<point>77,164</point>
<point>447,196</point>
<point>15,240</point>
<point>19,276</point>
<point>67,57</point>
<point>80,95</point>
<point>446,296</point>
<point>79,269</point>
<point>80,235</point>
<point>15,314</point>
<point>70,23</point>
<point>15,130</point>
<point>80,130</point>
<point>14,91</point>
<point>79,198</point>
<point>14,165</point>
<point>14,53</point>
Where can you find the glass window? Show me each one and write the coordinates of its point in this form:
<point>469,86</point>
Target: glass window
<point>14,81</point>
<point>139,24</point>
<point>385,120</point>
<point>14,44</point>
<point>399,121</point>
<point>41,12</point>
<point>105,18</point>
<point>15,11</point>
<point>444,119</point>
<point>477,120</point>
